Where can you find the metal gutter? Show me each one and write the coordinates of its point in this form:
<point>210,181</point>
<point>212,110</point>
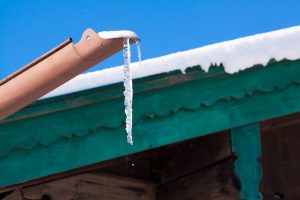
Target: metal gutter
<point>53,69</point>
<point>36,61</point>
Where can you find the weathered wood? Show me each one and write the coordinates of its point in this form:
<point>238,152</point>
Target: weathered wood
<point>87,127</point>
<point>138,167</point>
<point>15,195</point>
<point>213,183</point>
<point>92,186</point>
<point>245,141</point>
<point>160,165</point>
<point>280,122</point>
<point>66,174</point>
<point>280,144</point>
<point>181,159</point>
<point>281,163</point>
<point>101,145</point>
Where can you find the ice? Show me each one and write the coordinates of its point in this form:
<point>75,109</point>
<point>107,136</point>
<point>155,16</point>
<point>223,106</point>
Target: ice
<point>128,92</point>
<point>127,81</point>
<point>138,47</point>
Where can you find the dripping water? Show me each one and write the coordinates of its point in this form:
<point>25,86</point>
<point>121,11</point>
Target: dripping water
<point>138,47</point>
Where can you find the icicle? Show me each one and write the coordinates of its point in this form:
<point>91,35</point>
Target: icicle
<point>138,47</point>
<point>128,93</point>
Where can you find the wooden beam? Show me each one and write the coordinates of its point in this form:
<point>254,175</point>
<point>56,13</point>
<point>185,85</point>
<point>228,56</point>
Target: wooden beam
<point>90,186</point>
<point>80,170</point>
<point>215,182</point>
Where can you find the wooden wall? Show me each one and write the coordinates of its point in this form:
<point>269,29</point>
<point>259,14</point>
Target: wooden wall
<point>281,158</point>
<point>192,170</point>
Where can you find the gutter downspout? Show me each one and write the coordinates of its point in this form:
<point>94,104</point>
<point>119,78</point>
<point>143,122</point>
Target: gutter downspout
<point>54,69</point>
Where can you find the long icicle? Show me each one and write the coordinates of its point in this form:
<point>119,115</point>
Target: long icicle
<point>128,92</point>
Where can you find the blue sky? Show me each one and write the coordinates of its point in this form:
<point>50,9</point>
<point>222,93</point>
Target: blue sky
<point>30,28</point>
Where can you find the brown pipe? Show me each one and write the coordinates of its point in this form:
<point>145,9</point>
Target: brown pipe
<point>53,69</point>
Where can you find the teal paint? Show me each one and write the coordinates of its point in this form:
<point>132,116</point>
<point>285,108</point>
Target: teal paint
<point>245,142</point>
<point>87,127</point>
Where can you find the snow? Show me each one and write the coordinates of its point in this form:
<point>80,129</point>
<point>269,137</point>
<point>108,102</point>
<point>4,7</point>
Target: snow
<point>117,34</point>
<point>235,55</point>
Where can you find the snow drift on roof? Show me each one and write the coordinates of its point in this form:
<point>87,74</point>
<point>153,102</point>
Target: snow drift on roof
<point>235,55</point>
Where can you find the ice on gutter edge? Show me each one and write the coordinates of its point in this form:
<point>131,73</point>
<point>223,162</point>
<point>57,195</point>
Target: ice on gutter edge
<point>117,34</point>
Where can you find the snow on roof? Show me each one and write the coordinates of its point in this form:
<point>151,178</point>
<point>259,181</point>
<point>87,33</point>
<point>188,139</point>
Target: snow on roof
<point>235,55</point>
